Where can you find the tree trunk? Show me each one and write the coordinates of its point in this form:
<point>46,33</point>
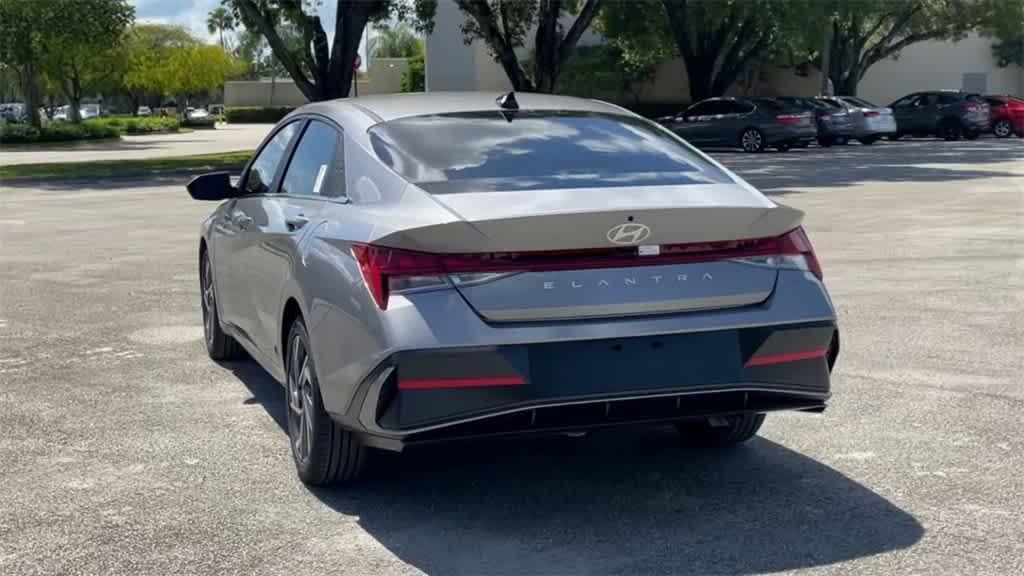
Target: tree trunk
<point>30,92</point>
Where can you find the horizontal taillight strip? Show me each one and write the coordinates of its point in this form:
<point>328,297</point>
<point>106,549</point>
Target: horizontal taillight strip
<point>788,357</point>
<point>479,382</point>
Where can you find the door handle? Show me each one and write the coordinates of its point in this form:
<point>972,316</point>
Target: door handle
<point>241,220</point>
<point>296,221</point>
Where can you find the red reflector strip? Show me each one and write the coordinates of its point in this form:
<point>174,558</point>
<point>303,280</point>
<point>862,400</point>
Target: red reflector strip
<point>782,358</point>
<point>482,382</point>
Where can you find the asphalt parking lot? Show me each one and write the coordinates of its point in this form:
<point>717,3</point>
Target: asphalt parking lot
<point>124,450</point>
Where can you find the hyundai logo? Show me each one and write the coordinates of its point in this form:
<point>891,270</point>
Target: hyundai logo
<point>628,233</point>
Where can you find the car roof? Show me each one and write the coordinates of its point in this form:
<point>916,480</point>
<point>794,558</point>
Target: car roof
<point>387,107</point>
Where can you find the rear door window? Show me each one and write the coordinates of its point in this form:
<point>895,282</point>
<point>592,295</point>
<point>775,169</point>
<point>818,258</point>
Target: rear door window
<point>534,150</point>
<point>701,108</point>
<point>317,166</point>
<point>260,179</point>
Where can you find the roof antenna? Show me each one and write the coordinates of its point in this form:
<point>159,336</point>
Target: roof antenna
<point>508,101</point>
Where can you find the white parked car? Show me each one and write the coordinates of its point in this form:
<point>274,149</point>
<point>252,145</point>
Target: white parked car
<point>196,113</point>
<point>144,111</point>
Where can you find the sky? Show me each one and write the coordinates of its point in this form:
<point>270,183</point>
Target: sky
<point>192,15</point>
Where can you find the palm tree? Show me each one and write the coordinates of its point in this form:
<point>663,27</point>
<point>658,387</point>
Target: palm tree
<point>218,21</point>
<point>394,42</point>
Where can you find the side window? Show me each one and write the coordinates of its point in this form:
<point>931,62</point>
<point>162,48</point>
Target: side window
<point>743,106</point>
<point>701,108</point>
<point>945,99</point>
<point>905,101</point>
<point>724,107</point>
<point>927,100</point>
<point>317,167</point>
<point>261,175</point>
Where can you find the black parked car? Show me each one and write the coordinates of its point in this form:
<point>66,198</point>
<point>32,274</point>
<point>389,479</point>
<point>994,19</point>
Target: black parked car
<point>949,114</point>
<point>833,122</point>
<point>737,122</point>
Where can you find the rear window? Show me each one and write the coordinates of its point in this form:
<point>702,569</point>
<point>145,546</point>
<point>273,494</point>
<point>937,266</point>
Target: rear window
<point>484,151</point>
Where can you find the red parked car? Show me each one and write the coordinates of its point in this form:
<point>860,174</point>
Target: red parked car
<point>1006,114</point>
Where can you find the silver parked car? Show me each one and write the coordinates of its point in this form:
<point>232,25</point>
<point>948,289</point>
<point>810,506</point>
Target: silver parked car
<point>424,267</point>
<point>870,122</point>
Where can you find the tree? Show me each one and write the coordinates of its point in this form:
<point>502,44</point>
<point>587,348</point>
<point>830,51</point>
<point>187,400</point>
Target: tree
<point>197,68</point>
<point>148,50</point>
<point>25,29</point>
<point>716,39</point>
<point>219,21</point>
<point>321,71</point>
<point>864,32</point>
<point>600,71</point>
<point>84,53</point>
<point>399,41</point>
<point>503,26</point>
<point>414,79</point>
<point>1003,20</point>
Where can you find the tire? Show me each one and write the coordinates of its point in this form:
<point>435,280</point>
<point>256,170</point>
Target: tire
<point>1003,129</point>
<point>219,345</point>
<point>803,144</point>
<point>752,140</point>
<point>971,134</point>
<point>824,142</point>
<point>950,130</point>
<point>868,140</point>
<point>842,140</point>
<point>323,451</point>
<point>782,147</point>
<point>737,429</point>
<point>894,137</point>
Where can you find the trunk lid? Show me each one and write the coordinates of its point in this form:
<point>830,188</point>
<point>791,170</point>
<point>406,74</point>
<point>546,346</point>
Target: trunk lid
<point>585,251</point>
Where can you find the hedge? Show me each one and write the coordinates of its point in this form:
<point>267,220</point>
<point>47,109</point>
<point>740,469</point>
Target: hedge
<point>256,114</point>
<point>141,124</point>
<point>62,132</point>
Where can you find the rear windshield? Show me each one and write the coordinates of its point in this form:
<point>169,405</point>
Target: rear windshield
<point>487,151</point>
<point>859,102</point>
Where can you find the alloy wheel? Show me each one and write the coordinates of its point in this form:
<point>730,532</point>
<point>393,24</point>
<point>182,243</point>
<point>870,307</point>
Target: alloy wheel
<point>300,399</point>
<point>1002,129</point>
<point>209,301</point>
<point>751,141</point>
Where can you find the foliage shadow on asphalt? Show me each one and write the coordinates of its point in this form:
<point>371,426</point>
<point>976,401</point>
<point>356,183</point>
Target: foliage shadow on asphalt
<point>838,166</point>
<point>617,501</point>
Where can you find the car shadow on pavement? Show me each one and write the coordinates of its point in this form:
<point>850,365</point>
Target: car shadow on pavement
<point>616,501</point>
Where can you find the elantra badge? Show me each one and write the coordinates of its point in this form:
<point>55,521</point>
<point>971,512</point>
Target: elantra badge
<point>628,233</point>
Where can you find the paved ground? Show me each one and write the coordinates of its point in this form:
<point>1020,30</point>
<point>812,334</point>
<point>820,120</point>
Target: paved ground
<point>226,138</point>
<point>123,450</point>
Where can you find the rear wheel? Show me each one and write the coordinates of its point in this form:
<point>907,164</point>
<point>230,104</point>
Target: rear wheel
<point>752,140</point>
<point>1003,129</point>
<point>324,452</point>
<point>719,432</point>
<point>219,345</point>
<point>824,142</point>
<point>868,140</point>
<point>949,129</point>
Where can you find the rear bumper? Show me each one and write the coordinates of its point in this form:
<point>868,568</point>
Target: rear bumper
<point>431,395</point>
<point>790,134</point>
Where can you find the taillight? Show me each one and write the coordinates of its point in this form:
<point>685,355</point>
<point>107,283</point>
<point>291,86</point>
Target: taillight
<point>826,116</point>
<point>393,271</point>
<point>972,106</point>
<point>790,119</point>
<point>388,270</point>
<point>871,114</point>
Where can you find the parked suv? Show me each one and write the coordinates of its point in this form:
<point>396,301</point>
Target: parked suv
<point>1006,114</point>
<point>949,114</point>
<point>752,126</point>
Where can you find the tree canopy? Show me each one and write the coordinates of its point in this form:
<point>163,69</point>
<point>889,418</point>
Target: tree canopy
<point>398,41</point>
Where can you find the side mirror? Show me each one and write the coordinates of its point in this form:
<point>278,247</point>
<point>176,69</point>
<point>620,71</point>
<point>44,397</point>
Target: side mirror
<point>212,186</point>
